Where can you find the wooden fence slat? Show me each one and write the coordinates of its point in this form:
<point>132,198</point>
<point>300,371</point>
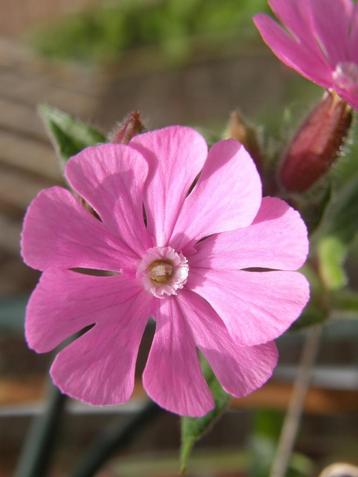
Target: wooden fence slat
<point>27,154</point>
<point>21,118</point>
<point>9,235</point>
<point>16,191</point>
<point>35,89</point>
<point>23,61</point>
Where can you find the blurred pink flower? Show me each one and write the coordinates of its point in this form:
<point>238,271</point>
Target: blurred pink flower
<point>185,266</point>
<point>320,41</point>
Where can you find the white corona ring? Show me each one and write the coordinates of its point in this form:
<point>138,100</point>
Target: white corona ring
<point>163,271</point>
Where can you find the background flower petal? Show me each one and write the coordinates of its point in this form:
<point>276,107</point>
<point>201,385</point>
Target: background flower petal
<point>65,302</point>
<point>227,195</point>
<point>297,18</point>
<point>99,367</point>
<point>172,376</point>
<point>277,239</point>
<point>256,307</point>
<point>175,156</point>
<point>240,369</point>
<point>110,177</point>
<point>332,21</point>
<point>59,232</point>
<point>290,52</point>
<point>353,37</point>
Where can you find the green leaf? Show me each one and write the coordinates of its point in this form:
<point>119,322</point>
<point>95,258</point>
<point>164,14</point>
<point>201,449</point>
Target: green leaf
<point>336,232</point>
<point>267,425</point>
<point>346,167</point>
<point>317,310</point>
<point>68,135</point>
<point>340,219</point>
<point>332,253</point>
<point>345,301</point>
<point>192,429</point>
<point>312,315</point>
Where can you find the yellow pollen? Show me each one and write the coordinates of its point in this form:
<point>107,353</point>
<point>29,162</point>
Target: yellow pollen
<point>161,271</point>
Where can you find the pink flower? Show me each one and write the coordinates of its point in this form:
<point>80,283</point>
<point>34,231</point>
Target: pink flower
<point>321,41</point>
<point>186,268</point>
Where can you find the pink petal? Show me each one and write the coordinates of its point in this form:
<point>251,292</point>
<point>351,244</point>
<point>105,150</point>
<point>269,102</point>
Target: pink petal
<point>111,177</point>
<point>227,195</point>
<point>65,302</point>
<point>175,155</point>
<point>351,99</point>
<point>332,22</point>
<point>59,232</point>
<point>277,239</point>
<point>297,18</point>
<point>98,368</point>
<point>172,376</point>
<point>353,38</point>
<point>256,307</point>
<point>239,369</point>
<point>294,55</point>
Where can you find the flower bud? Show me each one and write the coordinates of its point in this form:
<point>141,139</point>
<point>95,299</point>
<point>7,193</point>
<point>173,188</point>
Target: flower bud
<point>316,144</point>
<point>127,129</point>
<point>239,129</point>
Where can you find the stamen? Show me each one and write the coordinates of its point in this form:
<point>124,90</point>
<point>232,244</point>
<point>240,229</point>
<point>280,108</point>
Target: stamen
<point>161,271</point>
<point>345,77</point>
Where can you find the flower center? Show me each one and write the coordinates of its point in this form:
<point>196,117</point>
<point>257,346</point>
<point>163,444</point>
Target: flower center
<point>345,77</point>
<point>163,271</point>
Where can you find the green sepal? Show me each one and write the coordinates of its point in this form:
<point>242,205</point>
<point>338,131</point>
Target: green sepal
<point>68,135</point>
<point>193,429</point>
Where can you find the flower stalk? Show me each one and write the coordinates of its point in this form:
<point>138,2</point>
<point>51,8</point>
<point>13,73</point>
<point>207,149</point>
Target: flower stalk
<point>41,440</point>
<point>116,438</point>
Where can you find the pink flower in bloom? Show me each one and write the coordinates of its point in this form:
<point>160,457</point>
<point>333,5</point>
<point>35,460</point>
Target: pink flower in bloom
<point>185,266</point>
<point>320,41</point>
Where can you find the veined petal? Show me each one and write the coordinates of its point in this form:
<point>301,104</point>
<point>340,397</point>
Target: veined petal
<point>240,369</point>
<point>290,52</point>
<point>297,18</point>
<point>111,177</point>
<point>59,232</point>
<point>175,156</point>
<point>99,367</point>
<point>353,36</point>
<point>277,239</point>
<point>172,376</point>
<point>226,197</point>
<point>65,302</point>
<point>332,21</point>
<point>256,307</point>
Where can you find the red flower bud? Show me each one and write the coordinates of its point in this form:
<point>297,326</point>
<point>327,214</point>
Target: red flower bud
<point>316,144</point>
<point>127,129</point>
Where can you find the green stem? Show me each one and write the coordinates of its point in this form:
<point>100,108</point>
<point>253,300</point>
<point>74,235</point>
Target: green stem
<point>37,452</point>
<point>115,439</point>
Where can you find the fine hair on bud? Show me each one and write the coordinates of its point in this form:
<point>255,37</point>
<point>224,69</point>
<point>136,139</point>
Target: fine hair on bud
<point>316,144</point>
